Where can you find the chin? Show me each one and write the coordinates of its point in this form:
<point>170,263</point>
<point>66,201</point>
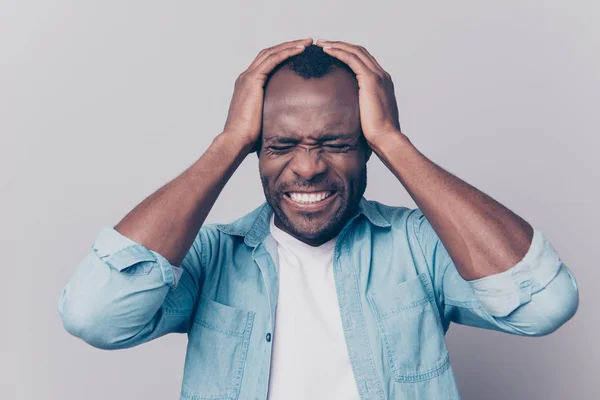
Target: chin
<point>313,229</point>
<point>310,225</point>
<point>309,232</point>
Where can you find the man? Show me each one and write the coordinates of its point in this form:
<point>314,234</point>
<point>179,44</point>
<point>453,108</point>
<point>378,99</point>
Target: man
<point>318,293</point>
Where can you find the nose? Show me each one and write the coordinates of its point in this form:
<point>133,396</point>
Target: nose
<point>307,165</point>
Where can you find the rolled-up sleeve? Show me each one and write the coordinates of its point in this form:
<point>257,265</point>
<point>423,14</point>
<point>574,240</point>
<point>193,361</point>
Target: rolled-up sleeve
<point>502,293</point>
<point>534,297</point>
<point>123,294</point>
<point>120,252</point>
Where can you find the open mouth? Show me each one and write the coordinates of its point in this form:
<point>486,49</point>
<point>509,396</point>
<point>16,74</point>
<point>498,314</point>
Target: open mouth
<point>310,200</point>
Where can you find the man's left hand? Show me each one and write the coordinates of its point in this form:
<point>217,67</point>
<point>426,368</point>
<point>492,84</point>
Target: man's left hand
<point>376,98</point>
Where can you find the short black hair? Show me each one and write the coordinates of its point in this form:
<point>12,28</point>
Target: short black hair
<point>312,62</point>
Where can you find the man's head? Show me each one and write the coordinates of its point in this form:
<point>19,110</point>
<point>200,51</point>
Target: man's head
<point>312,142</point>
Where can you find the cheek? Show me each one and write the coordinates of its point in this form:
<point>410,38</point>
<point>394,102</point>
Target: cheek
<point>348,169</point>
<point>267,168</point>
<point>271,174</point>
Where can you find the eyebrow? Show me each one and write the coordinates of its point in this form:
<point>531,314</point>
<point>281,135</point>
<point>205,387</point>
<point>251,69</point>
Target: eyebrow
<point>325,138</point>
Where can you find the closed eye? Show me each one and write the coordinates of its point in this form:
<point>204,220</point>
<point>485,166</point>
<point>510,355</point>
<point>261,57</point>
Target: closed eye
<point>330,147</point>
<point>280,148</point>
<point>344,147</point>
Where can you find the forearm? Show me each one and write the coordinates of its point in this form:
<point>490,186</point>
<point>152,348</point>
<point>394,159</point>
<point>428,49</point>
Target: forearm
<point>169,219</point>
<point>481,235</point>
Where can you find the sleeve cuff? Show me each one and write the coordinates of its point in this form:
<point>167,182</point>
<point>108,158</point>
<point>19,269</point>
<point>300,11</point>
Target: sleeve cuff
<point>120,252</point>
<point>500,294</point>
<point>110,241</point>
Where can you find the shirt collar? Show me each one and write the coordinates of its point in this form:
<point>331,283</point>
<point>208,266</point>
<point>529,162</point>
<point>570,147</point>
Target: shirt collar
<point>254,226</point>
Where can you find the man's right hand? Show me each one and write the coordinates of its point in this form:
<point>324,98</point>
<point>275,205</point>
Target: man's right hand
<point>244,119</point>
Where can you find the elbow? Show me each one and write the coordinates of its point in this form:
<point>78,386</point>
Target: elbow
<point>551,322</point>
<point>85,324</point>
<point>86,330</point>
<point>112,306</point>
<point>560,300</point>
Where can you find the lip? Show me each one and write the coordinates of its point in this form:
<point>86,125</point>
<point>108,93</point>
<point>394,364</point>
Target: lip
<point>310,207</point>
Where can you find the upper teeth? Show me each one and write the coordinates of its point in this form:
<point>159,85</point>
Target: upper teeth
<point>309,197</point>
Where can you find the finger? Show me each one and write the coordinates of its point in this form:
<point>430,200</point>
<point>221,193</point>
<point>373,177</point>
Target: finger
<point>273,59</point>
<point>353,60</point>
<point>372,59</point>
<point>360,51</point>
<point>263,54</point>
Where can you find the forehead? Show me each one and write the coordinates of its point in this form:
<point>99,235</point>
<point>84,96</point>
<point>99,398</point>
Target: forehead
<point>298,107</point>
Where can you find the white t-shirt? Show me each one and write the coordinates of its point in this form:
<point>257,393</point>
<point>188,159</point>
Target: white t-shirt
<point>309,355</point>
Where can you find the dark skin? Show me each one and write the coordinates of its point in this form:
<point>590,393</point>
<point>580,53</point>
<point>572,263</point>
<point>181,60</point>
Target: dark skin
<point>481,235</point>
<point>312,140</point>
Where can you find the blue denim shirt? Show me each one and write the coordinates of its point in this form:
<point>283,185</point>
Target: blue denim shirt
<point>398,291</point>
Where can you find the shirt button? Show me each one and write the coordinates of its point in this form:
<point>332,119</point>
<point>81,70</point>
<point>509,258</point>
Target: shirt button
<point>268,337</point>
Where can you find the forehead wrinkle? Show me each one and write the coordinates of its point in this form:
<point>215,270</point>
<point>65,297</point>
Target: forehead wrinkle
<point>301,132</point>
<point>329,136</point>
<point>309,114</point>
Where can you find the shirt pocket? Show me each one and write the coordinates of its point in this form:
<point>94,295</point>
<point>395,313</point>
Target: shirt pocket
<point>216,352</point>
<point>411,330</point>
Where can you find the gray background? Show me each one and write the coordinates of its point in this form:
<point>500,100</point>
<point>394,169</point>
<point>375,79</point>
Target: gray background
<point>101,103</point>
